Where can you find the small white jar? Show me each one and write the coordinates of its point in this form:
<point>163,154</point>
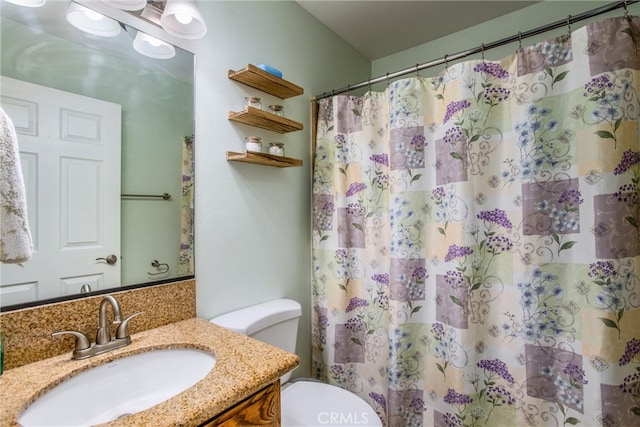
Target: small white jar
<point>253,143</point>
<point>277,109</point>
<point>276,148</point>
<point>253,101</point>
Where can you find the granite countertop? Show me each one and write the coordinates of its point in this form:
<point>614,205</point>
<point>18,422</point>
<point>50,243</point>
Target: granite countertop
<point>243,366</point>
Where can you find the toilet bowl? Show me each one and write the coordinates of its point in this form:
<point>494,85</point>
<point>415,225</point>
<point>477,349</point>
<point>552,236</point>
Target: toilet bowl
<point>304,402</point>
<point>309,403</point>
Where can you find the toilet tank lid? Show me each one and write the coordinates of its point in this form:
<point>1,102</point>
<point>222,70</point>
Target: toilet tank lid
<point>252,319</point>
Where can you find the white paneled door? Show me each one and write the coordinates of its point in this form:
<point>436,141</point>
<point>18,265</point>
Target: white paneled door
<point>70,157</point>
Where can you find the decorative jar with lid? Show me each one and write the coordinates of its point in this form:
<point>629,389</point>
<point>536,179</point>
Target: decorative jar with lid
<point>253,143</point>
<point>253,101</point>
<point>276,148</point>
<point>276,109</point>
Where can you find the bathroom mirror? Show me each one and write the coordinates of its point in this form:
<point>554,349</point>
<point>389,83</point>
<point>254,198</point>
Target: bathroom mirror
<point>152,129</point>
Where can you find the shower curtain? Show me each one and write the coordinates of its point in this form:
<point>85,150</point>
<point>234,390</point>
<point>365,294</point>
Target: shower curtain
<point>476,239</point>
<point>185,255</point>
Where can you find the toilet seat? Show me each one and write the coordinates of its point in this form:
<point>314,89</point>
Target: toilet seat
<point>312,403</point>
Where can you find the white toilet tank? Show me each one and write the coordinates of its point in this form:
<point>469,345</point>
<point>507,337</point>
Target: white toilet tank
<point>274,322</point>
<point>305,402</point>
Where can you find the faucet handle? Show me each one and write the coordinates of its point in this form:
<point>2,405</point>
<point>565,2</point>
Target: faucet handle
<point>82,341</point>
<point>123,327</point>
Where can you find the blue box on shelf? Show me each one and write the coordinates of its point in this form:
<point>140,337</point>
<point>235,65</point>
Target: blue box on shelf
<point>269,69</point>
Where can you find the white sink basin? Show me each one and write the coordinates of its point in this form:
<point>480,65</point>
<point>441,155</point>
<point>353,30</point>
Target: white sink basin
<point>119,388</point>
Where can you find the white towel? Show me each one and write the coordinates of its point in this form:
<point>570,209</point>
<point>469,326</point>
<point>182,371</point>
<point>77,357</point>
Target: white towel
<point>16,246</point>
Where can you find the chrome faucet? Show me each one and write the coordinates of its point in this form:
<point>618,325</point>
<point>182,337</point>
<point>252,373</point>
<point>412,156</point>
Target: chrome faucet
<point>104,332</point>
<point>104,341</point>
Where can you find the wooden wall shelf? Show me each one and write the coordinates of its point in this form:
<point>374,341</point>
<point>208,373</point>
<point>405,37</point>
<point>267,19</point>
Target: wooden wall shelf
<point>259,79</point>
<point>266,82</point>
<point>263,159</point>
<point>265,120</point>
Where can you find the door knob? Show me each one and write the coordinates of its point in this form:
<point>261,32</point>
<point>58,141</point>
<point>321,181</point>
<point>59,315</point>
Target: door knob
<point>110,259</point>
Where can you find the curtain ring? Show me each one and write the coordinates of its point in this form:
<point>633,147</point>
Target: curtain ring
<point>569,23</point>
<point>417,70</point>
<point>626,11</point>
<point>446,64</point>
<point>482,51</point>
<point>369,85</point>
<point>519,40</point>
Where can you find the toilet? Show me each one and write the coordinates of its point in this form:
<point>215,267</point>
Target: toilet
<point>304,402</point>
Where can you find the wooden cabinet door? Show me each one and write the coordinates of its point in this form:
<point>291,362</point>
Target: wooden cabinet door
<point>260,409</point>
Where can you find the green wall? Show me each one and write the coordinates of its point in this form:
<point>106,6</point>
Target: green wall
<point>505,26</point>
<point>253,223</point>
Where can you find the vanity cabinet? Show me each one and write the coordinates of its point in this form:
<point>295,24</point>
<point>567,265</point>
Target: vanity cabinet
<point>238,391</point>
<point>260,409</point>
<point>259,79</point>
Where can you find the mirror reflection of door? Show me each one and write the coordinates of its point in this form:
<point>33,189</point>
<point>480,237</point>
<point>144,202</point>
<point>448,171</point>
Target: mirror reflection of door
<point>71,141</point>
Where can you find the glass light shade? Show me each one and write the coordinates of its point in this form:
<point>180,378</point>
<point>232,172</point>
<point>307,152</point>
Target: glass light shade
<point>91,22</point>
<point>152,47</point>
<point>181,18</point>
<point>126,4</point>
<point>28,3</point>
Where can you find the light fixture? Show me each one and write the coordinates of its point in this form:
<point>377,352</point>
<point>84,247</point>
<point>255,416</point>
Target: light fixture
<point>91,22</point>
<point>181,18</point>
<point>27,3</point>
<point>152,47</point>
<point>126,4</point>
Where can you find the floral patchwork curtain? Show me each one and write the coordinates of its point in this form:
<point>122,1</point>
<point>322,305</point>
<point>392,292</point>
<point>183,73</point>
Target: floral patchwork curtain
<point>476,239</point>
<point>185,255</point>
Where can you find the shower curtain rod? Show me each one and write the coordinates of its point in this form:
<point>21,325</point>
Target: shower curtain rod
<point>484,47</point>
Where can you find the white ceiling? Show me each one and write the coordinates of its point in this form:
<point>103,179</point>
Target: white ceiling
<point>380,28</point>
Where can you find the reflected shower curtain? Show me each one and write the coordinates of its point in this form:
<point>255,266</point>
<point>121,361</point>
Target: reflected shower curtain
<point>185,256</point>
<point>476,239</point>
